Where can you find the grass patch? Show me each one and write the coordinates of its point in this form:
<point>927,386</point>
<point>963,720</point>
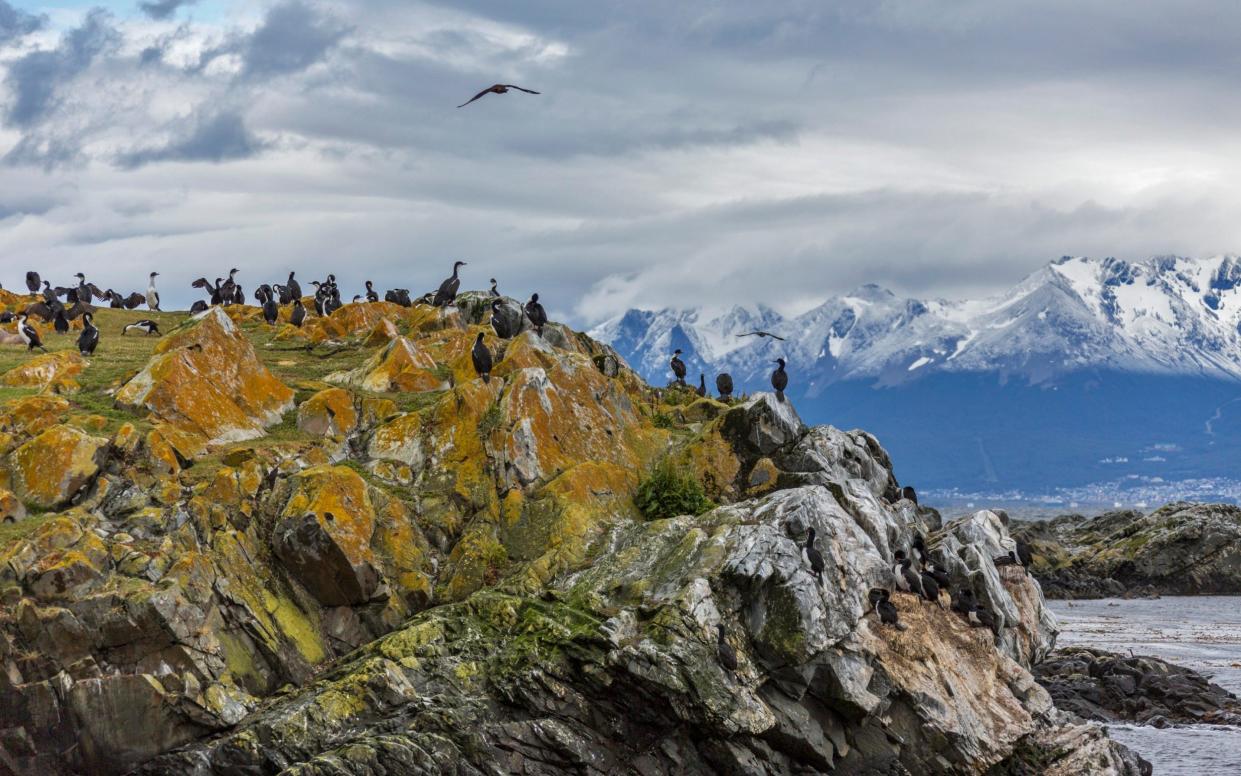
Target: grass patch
<point>669,492</point>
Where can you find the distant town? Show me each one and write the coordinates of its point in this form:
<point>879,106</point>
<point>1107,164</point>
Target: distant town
<point>1132,492</point>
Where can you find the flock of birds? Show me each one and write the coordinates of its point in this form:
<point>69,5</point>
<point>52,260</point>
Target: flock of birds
<point>59,305</point>
<point>724,381</point>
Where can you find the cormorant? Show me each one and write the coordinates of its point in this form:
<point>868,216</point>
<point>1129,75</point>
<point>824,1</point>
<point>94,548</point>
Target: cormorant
<point>963,602</point>
<point>447,292</point>
<point>29,334</point>
<point>84,289</point>
<point>33,282</point>
<point>982,618</point>
<point>909,493</point>
<point>761,334</point>
<point>371,294</point>
<point>356,298</point>
<point>536,314</point>
<point>930,588</point>
<point>498,322</point>
<point>939,575</point>
<point>678,366</point>
<point>399,296</point>
<point>152,297</point>
<point>229,289</point>
<point>907,580</point>
<point>89,339</point>
<point>271,310</point>
<point>701,390</point>
<point>114,300</point>
<point>319,297</point>
<point>814,556</point>
<point>1024,553</point>
<point>198,307</point>
<point>919,547</point>
<point>1009,559</point>
<point>295,288</point>
<point>497,89</point>
<point>205,285</point>
<point>299,313</point>
<point>493,290</point>
<point>60,323</point>
<point>239,296</point>
<point>49,294</point>
<point>728,656</point>
<point>724,384</point>
<point>146,325</point>
<point>482,359</point>
<point>780,379</point>
<point>881,602</point>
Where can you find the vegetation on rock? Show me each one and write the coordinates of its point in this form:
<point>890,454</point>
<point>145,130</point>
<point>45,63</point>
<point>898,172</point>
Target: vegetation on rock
<point>667,492</point>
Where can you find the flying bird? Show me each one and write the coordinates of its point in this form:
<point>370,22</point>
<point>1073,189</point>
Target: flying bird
<point>761,334</point>
<point>497,89</point>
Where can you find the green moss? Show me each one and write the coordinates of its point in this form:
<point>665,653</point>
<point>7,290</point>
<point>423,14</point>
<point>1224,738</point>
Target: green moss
<point>782,631</point>
<point>669,492</point>
<point>490,421</point>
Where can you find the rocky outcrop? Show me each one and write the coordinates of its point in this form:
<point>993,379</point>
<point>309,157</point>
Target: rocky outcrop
<point>1180,549</point>
<point>53,467</point>
<point>54,372</point>
<point>1106,687</point>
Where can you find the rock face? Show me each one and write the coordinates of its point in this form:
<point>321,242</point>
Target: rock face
<point>394,567</point>
<point>1180,549</point>
<point>1107,687</point>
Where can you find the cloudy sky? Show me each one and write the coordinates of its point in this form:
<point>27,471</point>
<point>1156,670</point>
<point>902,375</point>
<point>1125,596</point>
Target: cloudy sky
<point>701,151</point>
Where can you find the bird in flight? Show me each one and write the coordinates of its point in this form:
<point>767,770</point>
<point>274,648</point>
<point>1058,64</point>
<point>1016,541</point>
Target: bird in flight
<point>761,334</point>
<point>497,89</point>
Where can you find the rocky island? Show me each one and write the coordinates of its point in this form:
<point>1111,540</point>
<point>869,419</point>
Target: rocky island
<point>333,549</point>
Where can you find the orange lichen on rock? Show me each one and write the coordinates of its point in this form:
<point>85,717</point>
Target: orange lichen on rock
<point>49,470</point>
<point>328,413</point>
<point>401,366</point>
<point>207,380</point>
<point>55,372</point>
<point>29,416</point>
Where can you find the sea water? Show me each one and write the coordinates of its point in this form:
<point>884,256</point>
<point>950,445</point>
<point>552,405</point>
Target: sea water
<point>1199,632</point>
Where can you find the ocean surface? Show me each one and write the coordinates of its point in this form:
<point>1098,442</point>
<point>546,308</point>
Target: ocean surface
<point>1202,633</point>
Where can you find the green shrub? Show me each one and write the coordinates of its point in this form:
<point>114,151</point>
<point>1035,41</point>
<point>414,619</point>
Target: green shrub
<point>669,493</point>
<point>662,420</point>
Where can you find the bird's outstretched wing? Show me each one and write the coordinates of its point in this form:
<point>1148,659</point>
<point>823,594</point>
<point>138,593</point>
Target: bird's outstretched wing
<point>475,97</point>
<point>760,334</point>
<point>521,89</point>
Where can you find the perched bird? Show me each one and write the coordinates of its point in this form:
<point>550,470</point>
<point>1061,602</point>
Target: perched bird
<point>198,307</point>
<point>502,326</point>
<point>371,294</point>
<point>271,310</point>
<point>678,366</point>
<point>146,325</point>
<point>963,602</point>
<point>724,384</point>
<point>939,575</point>
<point>1025,553</point>
<point>813,555</point>
<point>728,656</point>
<point>493,291</point>
<point>497,89</point>
<point>761,334</point>
<point>29,334</point>
<point>701,390</point>
<point>7,317</point>
<point>84,289</point>
<point>114,299</point>
<point>930,588</point>
<point>299,313</point>
<point>294,288</point>
<point>214,291</point>
<point>909,493</point>
<point>881,602</point>
<point>88,340</point>
<point>918,545</point>
<point>356,298</point>
<point>399,296</point>
<point>60,323</point>
<point>152,296</point>
<point>447,292</point>
<point>1010,559</point>
<point>482,359</point>
<point>320,297</point>
<point>536,314</point>
<point>239,296</point>
<point>982,618</point>
<point>33,282</point>
<point>228,289</point>
<point>907,580</point>
<point>780,379</point>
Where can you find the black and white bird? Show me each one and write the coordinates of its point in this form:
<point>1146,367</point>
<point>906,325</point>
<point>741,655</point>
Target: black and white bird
<point>813,556</point>
<point>501,324</point>
<point>780,379</point>
<point>918,545</point>
<point>701,390</point>
<point>724,386</point>
<point>881,602</point>
<point>59,322</point>
<point>909,493</point>
<point>228,289</point>
<point>371,294</point>
<point>536,314</point>
<point>271,310</point>
<point>930,588</point>
<point>198,307</point>
<point>152,296</point>
<point>727,655</point>
<point>86,292</point>
<point>678,366</point>
<point>146,326</point>
<point>481,356</point>
<point>939,575</point>
<point>294,288</point>
<point>298,317</point>
<point>447,292</point>
<point>907,580</point>
<point>33,282</point>
<point>29,334</point>
<point>115,301</point>
<point>88,340</point>
<point>497,89</point>
<point>494,290</point>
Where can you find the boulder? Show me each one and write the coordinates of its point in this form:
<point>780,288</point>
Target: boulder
<point>54,372</point>
<point>329,412</point>
<point>400,366</point>
<point>51,469</point>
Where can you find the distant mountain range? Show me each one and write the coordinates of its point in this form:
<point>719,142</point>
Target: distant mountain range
<point>1085,370</point>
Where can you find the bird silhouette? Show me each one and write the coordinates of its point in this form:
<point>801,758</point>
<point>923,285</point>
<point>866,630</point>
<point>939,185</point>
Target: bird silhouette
<point>761,334</point>
<point>496,89</point>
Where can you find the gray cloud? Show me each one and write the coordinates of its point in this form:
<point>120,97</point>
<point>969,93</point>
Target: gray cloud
<point>163,9</point>
<point>15,23</point>
<point>216,137</point>
<point>291,38</point>
<point>34,79</point>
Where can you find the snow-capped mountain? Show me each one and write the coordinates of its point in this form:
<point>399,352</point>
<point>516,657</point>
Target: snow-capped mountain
<point>1167,315</point>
